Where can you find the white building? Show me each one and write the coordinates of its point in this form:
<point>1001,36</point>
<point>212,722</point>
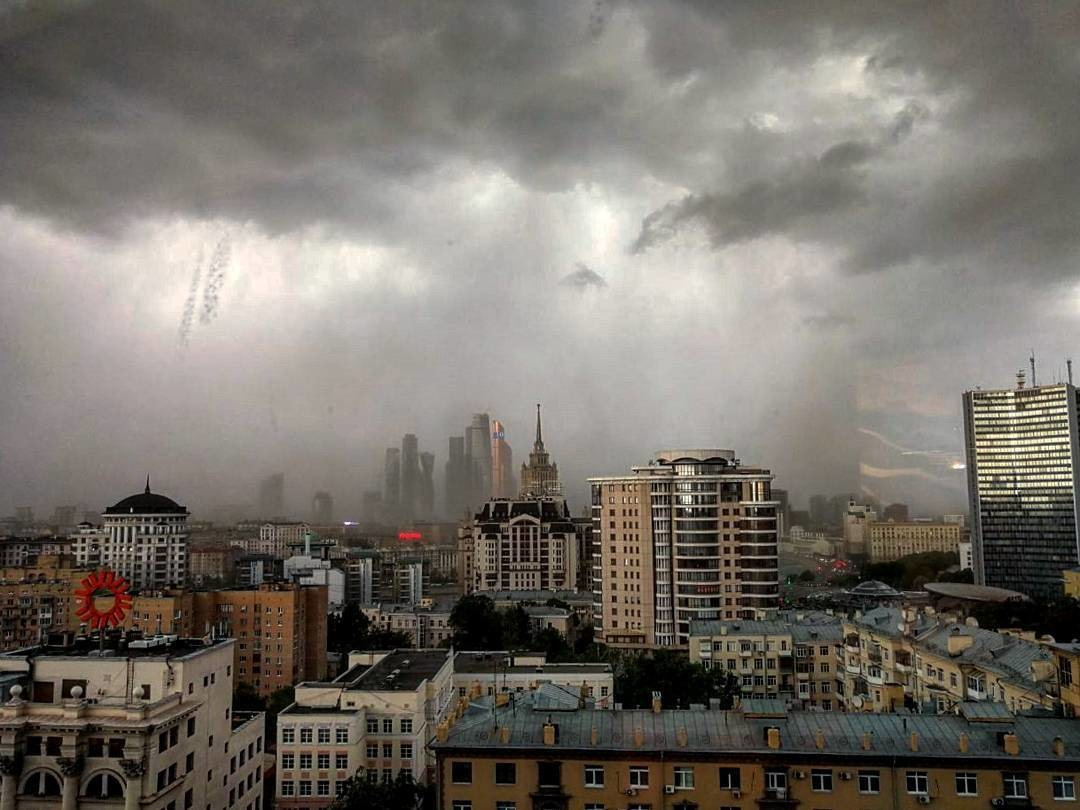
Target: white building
<point>149,726</point>
<point>967,557</point>
<point>304,570</point>
<point>144,540</point>
<point>857,520</point>
<point>377,716</point>
<point>490,673</point>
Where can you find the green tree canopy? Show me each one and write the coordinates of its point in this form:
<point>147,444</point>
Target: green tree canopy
<point>476,624</point>
<point>359,793</point>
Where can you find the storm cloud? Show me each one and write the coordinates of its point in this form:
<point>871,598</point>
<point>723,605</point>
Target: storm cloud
<point>804,223</point>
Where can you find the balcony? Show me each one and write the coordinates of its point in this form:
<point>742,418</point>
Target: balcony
<point>875,679</point>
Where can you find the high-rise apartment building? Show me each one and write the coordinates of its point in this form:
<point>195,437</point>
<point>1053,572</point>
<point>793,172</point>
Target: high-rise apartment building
<point>392,484</point>
<point>145,540</point>
<point>523,544</point>
<point>857,519</point>
<point>410,476</point>
<point>540,477</point>
<point>1022,453</point>
<point>691,536</point>
<point>322,508</point>
<point>271,498</point>
<point>426,501</point>
<point>457,477</point>
<point>502,463</point>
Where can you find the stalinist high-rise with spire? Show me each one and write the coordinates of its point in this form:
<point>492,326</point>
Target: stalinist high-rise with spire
<point>540,477</point>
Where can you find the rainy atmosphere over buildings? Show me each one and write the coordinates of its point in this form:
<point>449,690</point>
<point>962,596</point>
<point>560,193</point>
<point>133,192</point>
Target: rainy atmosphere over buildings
<point>569,405</point>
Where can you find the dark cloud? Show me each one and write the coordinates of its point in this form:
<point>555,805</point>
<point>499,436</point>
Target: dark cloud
<point>583,278</point>
<point>398,180</point>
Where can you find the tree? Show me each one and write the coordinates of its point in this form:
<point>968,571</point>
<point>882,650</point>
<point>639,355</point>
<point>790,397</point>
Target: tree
<point>476,624</point>
<point>807,576</point>
<point>352,630</point>
<point>679,681</point>
<point>359,793</point>
<point>517,629</point>
<point>247,699</point>
<point>554,645</point>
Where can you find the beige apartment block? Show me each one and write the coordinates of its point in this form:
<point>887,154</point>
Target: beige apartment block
<point>690,537</point>
<point>147,726</point>
<point>891,541</point>
<point>792,657</point>
<point>492,673</point>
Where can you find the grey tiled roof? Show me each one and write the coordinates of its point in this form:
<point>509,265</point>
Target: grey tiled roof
<point>711,732</point>
<point>1008,656</point>
<point>814,625</point>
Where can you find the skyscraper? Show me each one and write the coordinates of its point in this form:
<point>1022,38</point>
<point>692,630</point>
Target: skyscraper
<point>426,497</point>
<point>392,484</point>
<point>271,498</point>
<point>692,535</point>
<point>322,507</point>
<point>1022,453</point>
<point>410,476</point>
<point>540,477</point>
<point>456,479</point>
<point>502,463</point>
<point>478,456</point>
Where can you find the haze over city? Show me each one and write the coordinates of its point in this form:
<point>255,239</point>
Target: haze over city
<point>243,239</point>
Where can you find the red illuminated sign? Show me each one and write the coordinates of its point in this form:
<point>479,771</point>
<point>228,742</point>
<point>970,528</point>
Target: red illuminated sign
<point>104,583</point>
<point>409,536</point>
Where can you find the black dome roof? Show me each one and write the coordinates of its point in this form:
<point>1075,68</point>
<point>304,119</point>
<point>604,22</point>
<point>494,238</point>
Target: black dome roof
<point>146,503</point>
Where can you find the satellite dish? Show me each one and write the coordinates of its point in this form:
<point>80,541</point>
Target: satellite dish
<point>857,701</point>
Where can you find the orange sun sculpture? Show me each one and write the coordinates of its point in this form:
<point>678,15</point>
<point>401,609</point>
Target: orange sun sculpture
<point>94,584</point>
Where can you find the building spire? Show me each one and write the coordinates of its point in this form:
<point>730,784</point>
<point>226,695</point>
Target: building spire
<point>539,435</point>
<point>148,483</point>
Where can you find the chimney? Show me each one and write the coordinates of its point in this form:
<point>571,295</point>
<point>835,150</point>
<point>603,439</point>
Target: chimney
<point>772,738</point>
<point>867,742</point>
<point>819,740</point>
<point>442,731</point>
<point>958,641</point>
<point>551,732</point>
<point>504,735</point>
<point>594,736</point>
<point>1058,747</point>
<point>639,736</point>
<point>964,742</point>
<point>913,741</point>
<point>1011,743</point>
<point>681,737</point>
<point>501,699</point>
<point>657,703</point>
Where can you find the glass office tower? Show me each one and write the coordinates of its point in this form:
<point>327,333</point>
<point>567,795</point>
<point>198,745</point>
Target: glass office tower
<point>1022,455</point>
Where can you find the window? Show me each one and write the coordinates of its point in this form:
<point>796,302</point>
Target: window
<point>1015,785</point>
<point>287,761</point>
<point>594,776</point>
<point>505,806</point>
<point>917,783</point>
<point>322,788</point>
<point>460,804</point>
<point>775,779</point>
<point>189,762</point>
<point>729,779</point>
<point>372,750</point>
<point>191,726</point>
<point>287,789</point>
<point>594,806</point>
<point>406,750</point>
<point>341,761</point>
<point>305,736</point>
<point>324,761</point>
<point>372,725</point>
<point>387,750</point>
<point>461,773</point>
<point>967,783</point>
<point>505,773</point>
<point>406,725</point>
<point>341,736</point>
<point>104,786</point>
<point>869,782</point>
<point>387,775</point>
<point>1064,788</point>
<point>305,788</point>
<point>820,780</point>
<point>388,725</point>
<point>549,774</point>
<point>684,777</point>
<point>305,761</point>
<point>324,736</point>
<point>639,776</point>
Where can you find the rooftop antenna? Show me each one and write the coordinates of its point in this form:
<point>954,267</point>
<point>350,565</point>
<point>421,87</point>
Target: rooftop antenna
<point>1032,358</point>
<point>1068,366</point>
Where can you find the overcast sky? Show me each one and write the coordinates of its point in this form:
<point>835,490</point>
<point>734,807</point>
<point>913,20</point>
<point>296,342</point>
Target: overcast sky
<point>245,237</point>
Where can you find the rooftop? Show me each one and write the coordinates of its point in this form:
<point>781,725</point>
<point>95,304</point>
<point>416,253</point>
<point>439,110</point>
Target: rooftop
<point>401,670</point>
<point>146,503</point>
<point>486,662</point>
<point>709,732</point>
<point>974,593</point>
<point>149,647</point>
<point>810,625</point>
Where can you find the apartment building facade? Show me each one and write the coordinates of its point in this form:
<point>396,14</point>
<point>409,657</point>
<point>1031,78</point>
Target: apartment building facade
<point>891,541</point>
<point>147,727</point>
<point>792,657</point>
<point>759,756</point>
<point>692,536</point>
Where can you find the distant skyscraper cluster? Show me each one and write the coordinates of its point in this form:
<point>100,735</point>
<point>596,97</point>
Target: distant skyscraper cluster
<point>502,463</point>
<point>271,496</point>
<point>408,482</point>
<point>322,508</point>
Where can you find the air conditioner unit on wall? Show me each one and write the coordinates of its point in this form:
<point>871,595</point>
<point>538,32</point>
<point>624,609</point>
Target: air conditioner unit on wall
<point>669,790</point>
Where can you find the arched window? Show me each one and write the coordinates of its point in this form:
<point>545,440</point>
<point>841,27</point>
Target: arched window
<point>41,783</point>
<point>104,785</point>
